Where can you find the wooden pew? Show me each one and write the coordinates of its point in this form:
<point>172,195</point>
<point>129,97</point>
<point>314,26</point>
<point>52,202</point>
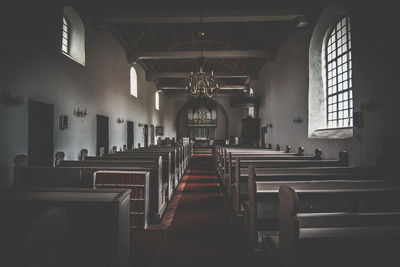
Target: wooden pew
<point>126,156</point>
<point>223,151</point>
<point>168,169</point>
<point>159,186</point>
<point>317,196</point>
<point>229,158</point>
<point>183,155</point>
<point>153,202</point>
<point>240,187</point>
<point>276,162</point>
<point>176,156</point>
<point>64,227</point>
<point>334,238</point>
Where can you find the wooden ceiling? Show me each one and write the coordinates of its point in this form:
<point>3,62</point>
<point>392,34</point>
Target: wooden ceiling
<point>167,38</point>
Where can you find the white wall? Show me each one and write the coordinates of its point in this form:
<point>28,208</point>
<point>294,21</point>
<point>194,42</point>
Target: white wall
<point>283,85</point>
<point>35,68</point>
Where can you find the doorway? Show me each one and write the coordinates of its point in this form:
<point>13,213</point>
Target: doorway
<point>129,127</point>
<point>264,136</point>
<point>146,135</point>
<point>151,134</point>
<point>102,134</point>
<point>40,133</point>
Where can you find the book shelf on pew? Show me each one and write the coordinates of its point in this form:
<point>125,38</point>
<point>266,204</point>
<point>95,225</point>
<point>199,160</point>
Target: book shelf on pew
<point>138,182</point>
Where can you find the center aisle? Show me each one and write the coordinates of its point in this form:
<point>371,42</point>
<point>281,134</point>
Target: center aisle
<point>203,231</point>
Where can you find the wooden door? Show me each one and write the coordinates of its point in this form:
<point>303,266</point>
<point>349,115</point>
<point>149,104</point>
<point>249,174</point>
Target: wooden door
<point>40,133</point>
<point>129,127</point>
<point>151,134</point>
<point>102,134</point>
<point>146,135</point>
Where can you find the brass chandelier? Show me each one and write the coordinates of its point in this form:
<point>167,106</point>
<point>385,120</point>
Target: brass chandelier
<point>201,83</point>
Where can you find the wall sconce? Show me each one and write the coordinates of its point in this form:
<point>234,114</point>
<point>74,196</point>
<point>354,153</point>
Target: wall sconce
<point>269,125</point>
<point>80,113</point>
<point>120,120</point>
<point>14,101</point>
<point>140,124</point>
<point>298,119</point>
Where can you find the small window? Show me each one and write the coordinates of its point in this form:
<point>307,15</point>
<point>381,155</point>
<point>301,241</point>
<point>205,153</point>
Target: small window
<point>251,112</point>
<point>157,102</point>
<point>73,36</point>
<point>65,36</point>
<point>134,90</point>
<point>339,76</point>
<point>251,92</point>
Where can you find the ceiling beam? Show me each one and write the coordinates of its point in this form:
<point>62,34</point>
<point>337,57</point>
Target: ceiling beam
<point>205,16</point>
<point>197,54</point>
<point>221,88</point>
<point>183,75</point>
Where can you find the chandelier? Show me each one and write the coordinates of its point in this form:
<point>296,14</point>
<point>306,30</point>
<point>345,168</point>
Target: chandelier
<point>201,83</point>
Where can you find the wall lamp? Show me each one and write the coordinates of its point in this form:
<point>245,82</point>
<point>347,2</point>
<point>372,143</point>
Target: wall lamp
<point>298,119</point>
<point>80,113</point>
<point>120,120</point>
<point>7,99</point>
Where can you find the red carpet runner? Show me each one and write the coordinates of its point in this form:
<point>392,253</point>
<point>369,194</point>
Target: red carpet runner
<point>203,231</point>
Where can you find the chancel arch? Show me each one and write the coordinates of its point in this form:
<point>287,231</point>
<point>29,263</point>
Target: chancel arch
<point>202,119</point>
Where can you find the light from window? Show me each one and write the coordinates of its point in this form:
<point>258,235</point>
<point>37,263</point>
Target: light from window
<point>339,76</point>
<point>65,36</point>
<point>134,90</point>
<point>251,112</point>
<point>73,36</point>
<point>251,92</point>
<point>157,100</point>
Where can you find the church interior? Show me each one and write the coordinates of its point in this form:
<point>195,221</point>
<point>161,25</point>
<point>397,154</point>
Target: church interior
<point>199,133</point>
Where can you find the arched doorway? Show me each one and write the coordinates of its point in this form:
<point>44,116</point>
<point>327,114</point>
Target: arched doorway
<point>202,119</point>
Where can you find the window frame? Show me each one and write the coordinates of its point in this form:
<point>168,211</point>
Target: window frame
<point>331,48</point>
<point>133,89</point>
<point>157,100</point>
<point>66,28</point>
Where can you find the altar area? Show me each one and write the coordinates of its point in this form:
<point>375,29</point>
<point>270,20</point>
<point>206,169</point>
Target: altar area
<point>202,122</point>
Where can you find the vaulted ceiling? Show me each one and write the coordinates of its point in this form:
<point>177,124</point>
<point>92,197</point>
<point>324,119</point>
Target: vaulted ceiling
<point>236,38</point>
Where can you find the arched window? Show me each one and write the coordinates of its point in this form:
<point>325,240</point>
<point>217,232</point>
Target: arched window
<point>157,100</point>
<point>251,112</point>
<point>330,94</point>
<point>133,75</point>
<point>73,36</point>
<point>339,76</point>
<point>65,36</point>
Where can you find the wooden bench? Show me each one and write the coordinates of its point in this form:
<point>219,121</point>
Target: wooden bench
<point>332,238</point>
<point>64,227</point>
<point>168,169</point>
<point>229,156</point>
<point>183,155</point>
<point>261,212</point>
<point>235,164</point>
<point>240,186</point>
<point>152,203</point>
<point>159,188</point>
<point>174,157</point>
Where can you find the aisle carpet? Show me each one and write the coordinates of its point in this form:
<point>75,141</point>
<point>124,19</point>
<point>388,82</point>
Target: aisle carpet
<point>203,231</point>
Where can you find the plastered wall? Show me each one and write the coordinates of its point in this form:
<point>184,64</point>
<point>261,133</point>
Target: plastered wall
<point>35,68</point>
<point>284,84</point>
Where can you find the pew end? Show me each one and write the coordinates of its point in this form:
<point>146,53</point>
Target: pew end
<point>300,151</point>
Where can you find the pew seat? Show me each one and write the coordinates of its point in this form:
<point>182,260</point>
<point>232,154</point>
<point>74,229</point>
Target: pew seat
<point>331,238</point>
